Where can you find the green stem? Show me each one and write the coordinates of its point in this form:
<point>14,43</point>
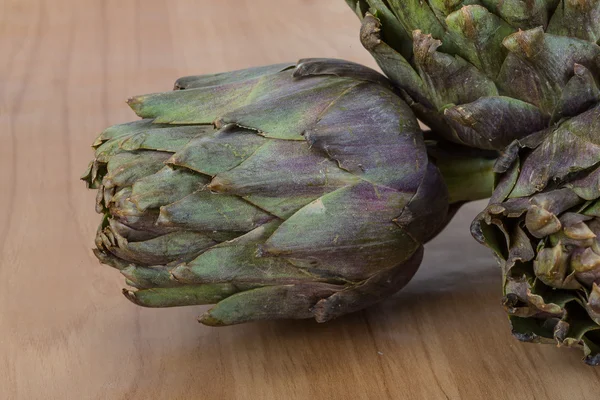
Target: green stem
<point>468,172</point>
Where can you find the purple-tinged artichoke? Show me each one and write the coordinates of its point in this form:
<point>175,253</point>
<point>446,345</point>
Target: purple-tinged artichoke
<point>486,72</point>
<point>286,191</point>
<point>543,224</point>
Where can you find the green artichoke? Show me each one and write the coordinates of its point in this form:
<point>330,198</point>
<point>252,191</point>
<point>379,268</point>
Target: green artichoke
<point>285,191</point>
<point>523,74</point>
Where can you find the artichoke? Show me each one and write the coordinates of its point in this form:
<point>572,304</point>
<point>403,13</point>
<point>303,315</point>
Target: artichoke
<point>486,72</point>
<point>519,77</point>
<point>285,191</point>
<point>543,224</point>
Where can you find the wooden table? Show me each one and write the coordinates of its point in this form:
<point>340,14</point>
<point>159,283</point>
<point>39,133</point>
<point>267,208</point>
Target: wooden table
<point>65,330</point>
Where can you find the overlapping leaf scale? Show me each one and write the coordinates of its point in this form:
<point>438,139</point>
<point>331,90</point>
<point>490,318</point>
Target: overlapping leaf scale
<point>133,136</point>
<point>341,68</point>
<point>396,67</point>
<point>523,14</point>
<point>354,223</point>
<point>165,186</point>
<point>372,133</point>
<point>178,245</point>
<point>579,94</point>
<point>129,233</point>
<point>121,208</point>
<point>282,177</point>
<point>450,79</point>
<point>219,151</point>
<point>277,105</point>
<point>462,28</point>
<point>285,114</point>
<point>223,78</point>
<point>571,147</point>
<point>205,211</point>
<point>540,65</point>
<point>135,183</point>
<point>494,122</point>
<point>125,168</point>
<point>128,152</point>
<point>577,19</point>
<point>418,15</point>
<point>479,35</point>
<point>289,178</point>
<point>343,133</point>
<point>236,261</point>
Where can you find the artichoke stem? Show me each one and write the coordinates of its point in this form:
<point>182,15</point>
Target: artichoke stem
<point>468,172</point>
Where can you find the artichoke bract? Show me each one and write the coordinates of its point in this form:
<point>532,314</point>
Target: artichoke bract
<point>286,191</point>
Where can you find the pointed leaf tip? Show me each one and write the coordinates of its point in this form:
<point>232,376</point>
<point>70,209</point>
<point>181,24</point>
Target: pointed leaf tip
<point>208,320</point>
<point>134,101</point>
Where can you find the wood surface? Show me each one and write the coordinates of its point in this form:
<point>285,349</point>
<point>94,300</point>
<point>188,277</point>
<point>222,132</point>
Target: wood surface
<point>66,332</point>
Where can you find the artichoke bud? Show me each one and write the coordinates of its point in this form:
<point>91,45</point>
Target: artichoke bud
<point>285,191</point>
<point>559,276</point>
<point>528,64</point>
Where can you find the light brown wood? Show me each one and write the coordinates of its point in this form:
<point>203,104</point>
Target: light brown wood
<point>65,330</point>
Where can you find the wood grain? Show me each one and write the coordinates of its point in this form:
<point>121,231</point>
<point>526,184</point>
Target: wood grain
<point>67,333</point>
